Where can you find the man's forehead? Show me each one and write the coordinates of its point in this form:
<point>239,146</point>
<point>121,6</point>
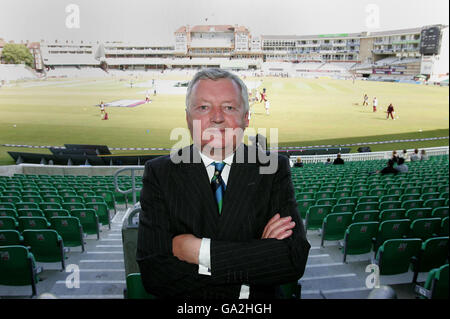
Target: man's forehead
<point>211,88</point>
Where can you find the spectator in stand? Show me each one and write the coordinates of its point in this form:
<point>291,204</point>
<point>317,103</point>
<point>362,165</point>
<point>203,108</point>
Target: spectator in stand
<point>404,155</point>
<point>338,160</point>
<point>389,169</point>
<point>423,155</point>
<point>299,162</point>
<point>328,162</point>
<point>415,156</point>
<point>401,166</point>
<point>395,156</point>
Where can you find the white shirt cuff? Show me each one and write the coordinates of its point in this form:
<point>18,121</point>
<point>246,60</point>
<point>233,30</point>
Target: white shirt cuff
<point>204,257</point>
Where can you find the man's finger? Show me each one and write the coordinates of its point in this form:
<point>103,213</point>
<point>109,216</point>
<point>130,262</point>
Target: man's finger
<point>272,220</point>
<point>280,222</point>
<point>282,228</point>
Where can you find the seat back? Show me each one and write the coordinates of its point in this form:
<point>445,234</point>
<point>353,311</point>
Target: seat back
<point>437,282</point>
<point>102,212</point>
<point>394,255</point>
<point>11,212</point>
<point>444,227</point>
<point>70,229</point>
<point>440,212</point>
<point>315,215</point>
<point>425,228</point>
<point>88,219</point>
<point>343,208</point>
<point>416,213</point>
<point>16,264</point>
<point>389,205</point>
<point>433,254</point>
<point>366,206</point>
<point>10,237</point>
<point>303,205</point>
<point>49,213</point>
<point>8,223</point>
<point>135,288</point>
<point>389,214</point>
<point>27,205</point>
<point>391,229</point>
<point>433,203</point>
<point>365,216</point>
<point>408,204</point>
<point>33,223</point>
<point>46,244</point>
<point>31,212</point>
<point>335,225</point>
<point>358,237</point>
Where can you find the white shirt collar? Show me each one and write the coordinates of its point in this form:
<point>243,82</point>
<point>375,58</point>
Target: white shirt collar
<point>208,161</point>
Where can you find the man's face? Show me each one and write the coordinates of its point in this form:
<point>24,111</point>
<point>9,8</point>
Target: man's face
<point>215,106</point>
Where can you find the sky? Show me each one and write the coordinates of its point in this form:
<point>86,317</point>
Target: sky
<point>155,21</point>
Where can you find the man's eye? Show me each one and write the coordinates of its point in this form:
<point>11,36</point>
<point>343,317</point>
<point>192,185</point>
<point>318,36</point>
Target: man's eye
<point>203,107</point>
<point>229,108</point>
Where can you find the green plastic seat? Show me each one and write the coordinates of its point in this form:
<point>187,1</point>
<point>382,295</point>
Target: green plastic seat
<point>315,215</point>
<point>320,195</point>
<point>444,227</point>
<point>343,208</point>
<point>89,221</point>
<point>368,199</point>
<point>47,246</point>
<point>32,199</point>
<point>391,229</point>
<point>407,205</point>
<point>389,214</point>
<point>394,255</point>
<point>348,200</point>
<point>8,212</point>
<point>135,288</point>
<point>49,213</point>
<point>4,205</point>
<point>433,203</point>
<point>366,206</point>
<point>341,193</point>
<point>304,195</point>
<point>334,226</point>
<point>365,216</point>
<point>389,198</point>
<point>26,205</point>
<point>377,192</point>
<point>389,205</point>
<point>108,197</point>
<point>10,199</point>
<point>440,212</point>
<point>303,205</point>
<point>70,229</point>
<point>433,254</point>
<point>425,228</point>
<point>53,199</point>
<point>428,196</point>
<point>48,205</point>
<point>32,212</point>
<point>71,206</point>
<point>358,238</point>
<point>33,223</point>
<point>416,213</point>
<point>8,223</point>
<point>73,199</point>
<point>406,197</point>
<point>18,267</point>
<point>102,212</point>
<point>436,285</point>
<point>326,201</point>
<point>10,237</point>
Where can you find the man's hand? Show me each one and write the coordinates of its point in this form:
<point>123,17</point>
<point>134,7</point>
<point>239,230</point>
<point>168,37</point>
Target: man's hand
<point>278,228</point>
<point>186,247</point>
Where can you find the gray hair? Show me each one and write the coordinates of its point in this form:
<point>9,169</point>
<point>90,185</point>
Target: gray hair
<point>216,74</point>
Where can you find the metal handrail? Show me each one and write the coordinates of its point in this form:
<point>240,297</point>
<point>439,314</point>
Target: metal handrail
<point>133,182</point>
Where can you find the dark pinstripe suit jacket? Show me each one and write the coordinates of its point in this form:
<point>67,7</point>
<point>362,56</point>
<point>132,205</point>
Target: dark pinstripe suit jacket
<point>177,199</point>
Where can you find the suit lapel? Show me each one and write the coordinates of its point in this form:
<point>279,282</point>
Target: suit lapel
<point>197,192</point>
<point>243,178</point>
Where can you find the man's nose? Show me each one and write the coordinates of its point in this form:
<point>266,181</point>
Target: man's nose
<point>217,115</point>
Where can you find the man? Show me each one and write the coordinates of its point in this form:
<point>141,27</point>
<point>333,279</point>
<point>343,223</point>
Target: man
<point>415,156</point>
<point>401,166</point>
<point>211,225</point>
<point>390,111</point>
<point>338,160</point>
<point>366,98</point>
<point>375,104</point>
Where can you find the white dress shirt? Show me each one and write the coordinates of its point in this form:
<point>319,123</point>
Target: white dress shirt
<point>204,258</point>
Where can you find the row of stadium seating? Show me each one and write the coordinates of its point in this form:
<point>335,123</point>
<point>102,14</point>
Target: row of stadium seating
<point>402,219</point>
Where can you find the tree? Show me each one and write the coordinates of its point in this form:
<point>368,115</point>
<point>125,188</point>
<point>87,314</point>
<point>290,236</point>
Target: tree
<point>16,54</point>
